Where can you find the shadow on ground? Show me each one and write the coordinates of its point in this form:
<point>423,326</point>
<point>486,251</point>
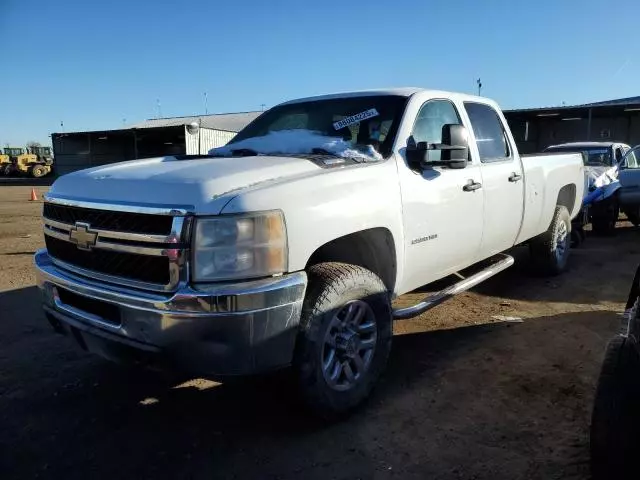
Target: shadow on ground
<point>36,182</point>
<point>492,401</point>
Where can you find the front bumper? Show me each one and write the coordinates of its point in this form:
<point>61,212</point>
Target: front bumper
<point>222,329</point>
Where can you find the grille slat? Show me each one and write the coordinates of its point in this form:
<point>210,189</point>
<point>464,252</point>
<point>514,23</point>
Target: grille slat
<point>142,268</point>
<point>127,266</point>
<point>108,220</point>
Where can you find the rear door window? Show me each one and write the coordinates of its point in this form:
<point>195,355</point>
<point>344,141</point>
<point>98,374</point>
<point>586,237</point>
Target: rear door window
<point>491,137</point>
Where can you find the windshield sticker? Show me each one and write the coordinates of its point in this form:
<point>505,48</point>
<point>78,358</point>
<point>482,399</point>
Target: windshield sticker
<point>357,118</point>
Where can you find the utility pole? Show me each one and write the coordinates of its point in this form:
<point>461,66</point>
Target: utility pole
<point>159,108</point>
<point>206,110</point>
<point>262,106</point>
<point>61,126</point>
<point>479,82</point>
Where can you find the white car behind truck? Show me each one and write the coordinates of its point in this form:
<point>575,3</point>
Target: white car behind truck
<point>603,165</point>
<point>287,246</point>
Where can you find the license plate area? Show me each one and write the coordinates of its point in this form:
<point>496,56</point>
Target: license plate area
<point>96,309</point>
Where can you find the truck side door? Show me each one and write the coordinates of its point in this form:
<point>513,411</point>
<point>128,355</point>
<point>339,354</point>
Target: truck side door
<point>629,177</point>
<point>502,179</point>
<point>442,220</point>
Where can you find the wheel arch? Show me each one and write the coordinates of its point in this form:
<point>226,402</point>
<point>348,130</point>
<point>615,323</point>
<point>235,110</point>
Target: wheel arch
<point>567,198</point>
<point>373,249</point>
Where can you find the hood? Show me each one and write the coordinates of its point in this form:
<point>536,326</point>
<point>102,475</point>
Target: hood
<point>205,184</point>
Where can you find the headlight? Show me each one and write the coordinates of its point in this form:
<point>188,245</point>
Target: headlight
<point>243,246</point>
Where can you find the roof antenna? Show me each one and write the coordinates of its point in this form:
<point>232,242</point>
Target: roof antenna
<point>479,82</point>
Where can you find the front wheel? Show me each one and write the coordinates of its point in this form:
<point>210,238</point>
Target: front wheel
<point>550,250</point>
<point>345,337</point>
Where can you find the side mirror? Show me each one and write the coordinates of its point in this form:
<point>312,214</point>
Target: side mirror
<point>454,149</point>
<point>416,154</point>
<point>455,141</point>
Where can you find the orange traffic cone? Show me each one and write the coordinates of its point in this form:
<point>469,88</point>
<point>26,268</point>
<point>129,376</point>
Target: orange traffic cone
<point>34,197</point>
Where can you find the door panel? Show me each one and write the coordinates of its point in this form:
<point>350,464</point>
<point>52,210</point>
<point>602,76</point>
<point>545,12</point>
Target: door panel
<point>629,176</point>
<point>503,200</point>
<point>442,221</point>
<point>502,180</point>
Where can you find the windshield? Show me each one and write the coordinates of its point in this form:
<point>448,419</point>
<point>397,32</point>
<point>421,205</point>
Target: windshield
<point>351,127</point>
<point>593,156</point>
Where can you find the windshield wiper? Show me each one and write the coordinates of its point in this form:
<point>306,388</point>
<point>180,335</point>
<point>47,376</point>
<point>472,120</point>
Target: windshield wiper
<point>322,151</point>
<point>243,152</point>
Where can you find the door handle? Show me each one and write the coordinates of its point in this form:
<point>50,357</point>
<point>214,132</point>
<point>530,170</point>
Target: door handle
<point>471,186</point>
<point>515,177</point>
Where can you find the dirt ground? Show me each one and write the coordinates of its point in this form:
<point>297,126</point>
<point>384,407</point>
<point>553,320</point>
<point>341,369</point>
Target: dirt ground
<point>465,396</point>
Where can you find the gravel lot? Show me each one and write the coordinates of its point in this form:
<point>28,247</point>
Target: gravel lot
<point>465,396</point>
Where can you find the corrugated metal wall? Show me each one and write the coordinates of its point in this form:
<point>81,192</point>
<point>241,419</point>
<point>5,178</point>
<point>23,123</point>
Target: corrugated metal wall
<point>208,139</point>
<point>77,151</point>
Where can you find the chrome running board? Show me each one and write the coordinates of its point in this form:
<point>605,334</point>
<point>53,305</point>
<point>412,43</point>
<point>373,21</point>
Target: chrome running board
<point>504,262</point>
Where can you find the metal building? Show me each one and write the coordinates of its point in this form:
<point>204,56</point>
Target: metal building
<point>613,120</point>
<point>151,138</point>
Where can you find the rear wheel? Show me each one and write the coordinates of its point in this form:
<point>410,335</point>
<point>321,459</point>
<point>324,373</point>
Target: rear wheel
<point>615,420</point>
<point>550,250</point>
<point>345,337</point>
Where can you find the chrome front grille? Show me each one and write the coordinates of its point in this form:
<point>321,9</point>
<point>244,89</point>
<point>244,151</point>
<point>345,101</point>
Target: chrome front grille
<point>140,250</point>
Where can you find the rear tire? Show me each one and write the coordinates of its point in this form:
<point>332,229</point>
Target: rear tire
<point>38,171</point>
<point>633,216</point>
<point>605,216</point>
<point>550,250</point>
<point>346,314</point>
<point>615,420</point>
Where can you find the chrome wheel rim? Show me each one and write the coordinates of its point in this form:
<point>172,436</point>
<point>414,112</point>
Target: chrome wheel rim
<point>349,345</point>
<point>561,241</point>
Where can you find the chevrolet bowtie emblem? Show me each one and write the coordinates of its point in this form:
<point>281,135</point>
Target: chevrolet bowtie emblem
<point>84,238</point>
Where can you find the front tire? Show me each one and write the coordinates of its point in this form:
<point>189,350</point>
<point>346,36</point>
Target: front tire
<point>615,420</point>
<point>550,250</point>
<point>345,337</point>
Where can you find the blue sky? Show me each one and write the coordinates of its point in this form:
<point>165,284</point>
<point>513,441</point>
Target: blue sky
<point>99,64</point>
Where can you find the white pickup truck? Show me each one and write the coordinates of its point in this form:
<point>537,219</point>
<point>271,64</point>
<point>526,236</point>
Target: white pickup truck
<point>287,246</point>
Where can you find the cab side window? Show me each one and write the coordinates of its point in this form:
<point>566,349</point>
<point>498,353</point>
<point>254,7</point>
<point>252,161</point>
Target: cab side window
<point>434,115</point>
<point>618,154</point>
<point>491,137</point>
<point>631,159</point>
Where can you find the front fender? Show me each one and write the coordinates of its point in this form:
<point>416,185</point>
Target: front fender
<point>331,204</point>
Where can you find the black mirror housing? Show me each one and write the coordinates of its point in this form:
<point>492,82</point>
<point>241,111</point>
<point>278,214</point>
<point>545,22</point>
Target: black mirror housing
<point>416,154</point>
<point>457,138</point>
<point>454,149</point>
